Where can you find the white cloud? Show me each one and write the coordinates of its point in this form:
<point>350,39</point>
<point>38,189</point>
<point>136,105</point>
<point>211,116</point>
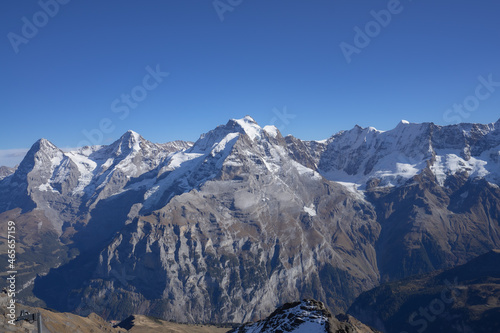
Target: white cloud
<point>12,157</point>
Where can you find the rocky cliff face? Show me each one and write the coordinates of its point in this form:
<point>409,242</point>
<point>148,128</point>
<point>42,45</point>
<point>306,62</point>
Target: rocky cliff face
<point>227,228</point>
<point>248,229</point>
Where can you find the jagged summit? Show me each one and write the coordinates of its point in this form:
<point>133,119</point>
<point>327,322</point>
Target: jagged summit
<point>42,152</point>
<point>249,127</point>
<point>308,316</point>
<point>129,141</point>
<point>131,135</point>
<point>248,119</point>
<point>246,125</point>
<point>228,133</point>
<point>42,145</point>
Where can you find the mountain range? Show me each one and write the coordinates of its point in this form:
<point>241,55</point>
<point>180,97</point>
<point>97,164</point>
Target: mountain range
<point>243,220</point>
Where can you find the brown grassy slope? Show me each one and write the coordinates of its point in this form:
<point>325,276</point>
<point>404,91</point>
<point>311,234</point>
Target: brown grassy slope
<point>56,322</point>
<point>144,324</point>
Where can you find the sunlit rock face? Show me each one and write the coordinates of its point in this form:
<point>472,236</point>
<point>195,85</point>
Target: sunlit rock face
<point>243,220</point>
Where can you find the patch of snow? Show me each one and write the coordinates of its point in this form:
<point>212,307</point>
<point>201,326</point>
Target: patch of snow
<point>271,130</point>
<point>221,146</point>
<point>306,171</point>
<point>354,189</point>
<point>233,163</point>
<point>449,162</point>
<point>57,159</point>
<point>107,164</point>
<point>389,171</point>
<point>151,191</point>
<point>311,210</point>
<point>46,187</point>
<point>403,170</point>
<point>373,129</point>
<point>179,158</point>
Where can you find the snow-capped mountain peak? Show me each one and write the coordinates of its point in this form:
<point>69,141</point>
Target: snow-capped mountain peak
<point>392,157</point>
<point>225,133</point>
<point>250,127</point>
<point>42,153</point>
<point>127,143</point>
<point>132,136</point>
<point>44,144</point>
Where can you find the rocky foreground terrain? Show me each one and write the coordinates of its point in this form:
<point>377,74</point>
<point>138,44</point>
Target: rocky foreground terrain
<point>308,316</point>
<point>55,322</point>
<point>243,220</point>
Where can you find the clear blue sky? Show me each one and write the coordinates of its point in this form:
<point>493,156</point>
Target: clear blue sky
<point>263,56</point>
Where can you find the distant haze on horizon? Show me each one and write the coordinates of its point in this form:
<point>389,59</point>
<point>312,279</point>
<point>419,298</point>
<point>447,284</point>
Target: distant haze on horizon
<point>86,72</point>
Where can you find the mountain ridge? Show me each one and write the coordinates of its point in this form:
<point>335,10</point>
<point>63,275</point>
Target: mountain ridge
<point>244,219</point>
